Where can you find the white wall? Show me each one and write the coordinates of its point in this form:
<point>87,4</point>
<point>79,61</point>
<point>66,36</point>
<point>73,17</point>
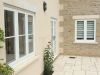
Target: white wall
<point>42,30</point>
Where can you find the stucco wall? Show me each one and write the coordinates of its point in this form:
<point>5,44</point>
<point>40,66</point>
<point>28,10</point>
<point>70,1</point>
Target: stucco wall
<point>42,30</point>
<point>68,9</point>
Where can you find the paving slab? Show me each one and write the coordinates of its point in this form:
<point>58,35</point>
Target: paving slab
<point>80,65</point>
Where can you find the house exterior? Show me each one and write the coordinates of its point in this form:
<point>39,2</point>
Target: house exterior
<point>80,30</point>
<point>28,29</point>
<point>72,27</point>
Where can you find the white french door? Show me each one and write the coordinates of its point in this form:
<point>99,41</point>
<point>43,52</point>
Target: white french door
<point>53,35</point>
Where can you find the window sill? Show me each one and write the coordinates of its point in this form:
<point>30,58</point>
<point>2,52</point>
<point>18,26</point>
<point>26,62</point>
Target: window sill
<point>20,65</point>
<point>86,42</point>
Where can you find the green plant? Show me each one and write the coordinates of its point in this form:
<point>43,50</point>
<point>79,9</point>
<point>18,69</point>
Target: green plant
<point>6,69</point>
<point>1,35</point>
<point>48,61</point>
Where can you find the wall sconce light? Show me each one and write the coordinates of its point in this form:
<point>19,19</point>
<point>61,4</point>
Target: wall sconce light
<point>44,6</point>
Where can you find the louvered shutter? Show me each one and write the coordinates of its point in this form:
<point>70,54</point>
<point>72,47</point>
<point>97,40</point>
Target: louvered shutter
<point>90,30</point>
<point>80,30</point>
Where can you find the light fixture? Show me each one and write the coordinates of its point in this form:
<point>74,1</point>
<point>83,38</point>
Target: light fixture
<point>44,6</point>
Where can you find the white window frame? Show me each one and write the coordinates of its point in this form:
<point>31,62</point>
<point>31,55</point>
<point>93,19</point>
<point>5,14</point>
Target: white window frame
<point>85,32</point>
<point>18,59</point>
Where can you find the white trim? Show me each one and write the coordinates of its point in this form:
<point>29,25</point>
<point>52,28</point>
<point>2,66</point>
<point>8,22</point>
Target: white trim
<point>10,37</point>
<point>26,33</point>
<point>86,17</point>
<point>30,34</point>
<point>87,42</point>
<point>19,10</point>
<point>16,35</point>
<point>22,5</point>
<point>34,29</point>
<point>85,32</point>
<point>95,30</point>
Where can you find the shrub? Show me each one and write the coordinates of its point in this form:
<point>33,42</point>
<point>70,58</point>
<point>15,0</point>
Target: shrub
<point>6,69</point>
<point>48,61</point>
<point>1,35</point>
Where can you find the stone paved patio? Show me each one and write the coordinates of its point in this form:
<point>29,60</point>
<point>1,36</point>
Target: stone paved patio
<point>78,66</point>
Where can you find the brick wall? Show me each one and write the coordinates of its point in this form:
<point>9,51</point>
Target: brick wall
<point>68,9</point>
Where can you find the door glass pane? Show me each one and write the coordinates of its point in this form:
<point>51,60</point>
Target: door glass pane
<point>30,43</point>
<point>10,49</point>
<point>9,23</point>
<point>30,24</point>
<point>21,20</point>
<point>22,45</point>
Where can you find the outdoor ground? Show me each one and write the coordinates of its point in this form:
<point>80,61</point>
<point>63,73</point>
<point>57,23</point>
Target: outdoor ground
<point>78,66</point>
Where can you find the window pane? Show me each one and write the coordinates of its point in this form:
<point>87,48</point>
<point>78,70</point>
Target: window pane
<point>10,50</point>
<point>21,20</point>
<point>90,35</point>
<point>80,30</point>
<point>9,23</point>
<point>30,43</point>
<point>22,45</point>
<point>30,24</point>
<point>80,35</point>
<point>80,25</point>
<point>90,30</point>
<point>90,25</point>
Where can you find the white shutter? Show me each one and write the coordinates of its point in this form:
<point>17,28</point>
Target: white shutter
<point>90,30</point>
<point>80,30</point>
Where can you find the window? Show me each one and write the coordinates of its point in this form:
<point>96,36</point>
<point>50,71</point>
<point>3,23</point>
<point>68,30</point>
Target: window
<point>85,31</point>
<point>18,34</point>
